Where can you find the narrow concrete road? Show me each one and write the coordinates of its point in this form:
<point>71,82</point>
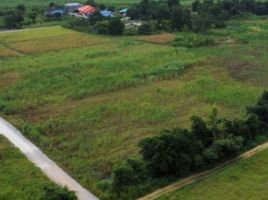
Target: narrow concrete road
<point>196,177</point>
<point>48,167</point>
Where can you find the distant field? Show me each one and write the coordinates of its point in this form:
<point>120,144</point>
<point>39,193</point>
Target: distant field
<point>87,100</point>
<point>19,179</point>
<point>244,180</point>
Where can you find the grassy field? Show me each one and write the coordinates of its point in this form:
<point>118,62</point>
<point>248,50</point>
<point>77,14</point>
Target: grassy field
<point>19,179</point>
<point>244,180</point>
<point>88,100</point>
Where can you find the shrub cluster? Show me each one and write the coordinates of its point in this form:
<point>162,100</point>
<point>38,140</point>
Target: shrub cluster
<point>193,40</point>
<point>180,152</point>
<point>97,24</point>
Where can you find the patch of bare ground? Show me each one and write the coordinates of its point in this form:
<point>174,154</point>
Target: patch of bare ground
<point>9,78</point>
<point>225,40</point>
<point>163,38</point>
<point>248,67</point>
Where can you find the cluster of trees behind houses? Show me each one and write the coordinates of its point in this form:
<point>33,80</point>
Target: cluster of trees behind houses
<point>180,152</point>
<point>167,15</point>
<point>170,15</point>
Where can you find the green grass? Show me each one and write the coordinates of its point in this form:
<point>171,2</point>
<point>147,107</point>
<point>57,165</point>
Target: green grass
<point>88,100</point>
<point>19,179</point>
<point>244,180</point>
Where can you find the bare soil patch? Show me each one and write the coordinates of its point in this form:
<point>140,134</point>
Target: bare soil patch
<point>163,38</point>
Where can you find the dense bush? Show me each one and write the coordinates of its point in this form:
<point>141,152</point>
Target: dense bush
<point>101,27</point>
<point>171,153</point>
<point>116,26</point>
<point>57,193</point>
<point>130,173</point>
<point>13,20</point>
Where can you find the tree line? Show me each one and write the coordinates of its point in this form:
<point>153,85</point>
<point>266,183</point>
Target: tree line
<point>180,152</point>
<point>171,15</point>
<point>16,17</point>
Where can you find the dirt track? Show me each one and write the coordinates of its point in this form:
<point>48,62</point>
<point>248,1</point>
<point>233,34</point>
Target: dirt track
<point>186,181</point>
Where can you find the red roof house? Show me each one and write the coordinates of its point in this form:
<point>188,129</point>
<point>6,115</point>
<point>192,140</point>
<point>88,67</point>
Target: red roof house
<point>87,10</point>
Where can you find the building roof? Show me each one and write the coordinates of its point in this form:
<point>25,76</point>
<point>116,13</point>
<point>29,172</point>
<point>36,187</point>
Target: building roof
<point>123,10</point>
<point>106,13</point>
<point>87,10</point>
<point>73,4</point>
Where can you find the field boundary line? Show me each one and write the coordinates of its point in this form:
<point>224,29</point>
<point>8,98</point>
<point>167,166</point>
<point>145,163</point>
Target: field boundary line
<point>13,49</point>
<point>47,166</point>
<point>196,177</point>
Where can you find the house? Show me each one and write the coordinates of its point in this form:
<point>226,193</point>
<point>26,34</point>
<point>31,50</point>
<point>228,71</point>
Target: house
<point>55,11</point>
<point>87,10</point>
<point>123,12</point>
<point>106,13</point>
<point>72,7</point>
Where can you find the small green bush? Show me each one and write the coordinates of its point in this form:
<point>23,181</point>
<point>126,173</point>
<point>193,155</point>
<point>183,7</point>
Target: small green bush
<point>57,193</point>
<point>145,29</point>
<point>101,27</point>
<point>193,40</point>
<point>131,31</point>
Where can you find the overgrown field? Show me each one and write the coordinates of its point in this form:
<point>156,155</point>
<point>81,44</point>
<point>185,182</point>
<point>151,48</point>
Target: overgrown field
<point>244,180</point>
<point>19,179</point>
<point>88,100</point>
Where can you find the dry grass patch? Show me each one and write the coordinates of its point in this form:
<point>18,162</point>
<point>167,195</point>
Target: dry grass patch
<point>46,39</point>
<point>71,40</point>
<point>7,52</point>
<point>163,38</point>
<point>8,79</point>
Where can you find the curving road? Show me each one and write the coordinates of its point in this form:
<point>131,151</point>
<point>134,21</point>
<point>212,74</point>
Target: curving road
<point>48,167</point>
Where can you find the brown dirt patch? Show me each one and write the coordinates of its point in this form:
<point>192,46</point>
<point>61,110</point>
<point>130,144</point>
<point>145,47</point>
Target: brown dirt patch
<point>9,78</point>
<point>163,38</point>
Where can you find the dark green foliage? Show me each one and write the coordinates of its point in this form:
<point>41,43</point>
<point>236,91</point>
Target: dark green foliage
<point>101,27</point>
<point>55,193</point>
<point>228,146</point>
<point>131,173</point>
<point>202,132</point>
<point>32,15</point>
<point>261,109</point>
<point>116,26</point>
<point>78,24</point>
<point>21,9</point>
<point>171,153</point>
<point>177,18</point>
<point>145,29</point>
<point>196,6</point>
<point>94,18</point>
<point>13,20</point>
<point>173,3</point>
<point>201,22</point>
